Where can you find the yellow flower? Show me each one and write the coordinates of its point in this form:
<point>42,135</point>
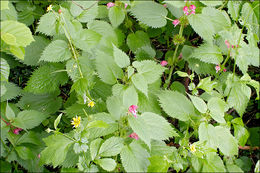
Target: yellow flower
<point>91,104</point>
<point>49,8</point>
<point>192,148</point>
<point>76,121</point>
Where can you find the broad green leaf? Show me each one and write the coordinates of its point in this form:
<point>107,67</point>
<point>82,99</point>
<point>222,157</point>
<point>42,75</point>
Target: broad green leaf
<point>148,104</point>
<point>176,105</point>
<point>199,104</point>
<point>57,121</point>
<point>120,57</point>
<point>233,168</point>
<point>213,163</point>
<point>217,109</point>
<point>4,5</point>
<point>56,150</point>
<point>107,164</point>
<point>130,71</point>
<point>244,163</point>
<point>140,83</point>
<point>19,52</point>
<point>15,33</point>
<point>46,79</point>
<point>85,11</point>
<point>234,9</point>
<point>130,97</point>
<point>207,85</point>
<point>47,24</point>
<point>150,13</point>
<point>207,133</point>
<point>158,164</point>
<point>116,16</point>
<point>94,147</point>
<point>240,132</point>
<point>145,53</point>
<point>4,69</point>
<point>208,53</point>
<point>3,90</point>
<point>56,51</point>
<point>12,91</point>
<point>115,106</point>
<point>97,123</point>
<point>10,13</point>
<point>24,152</point>
<point>136,40</point>
<point>30,137</point>
<point>29,119</point>
<point>134,158</point>
<point>9,113</point>
<point>111,147</point>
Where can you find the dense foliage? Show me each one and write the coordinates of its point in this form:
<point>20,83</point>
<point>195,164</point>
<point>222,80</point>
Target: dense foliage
<point>130,86</point>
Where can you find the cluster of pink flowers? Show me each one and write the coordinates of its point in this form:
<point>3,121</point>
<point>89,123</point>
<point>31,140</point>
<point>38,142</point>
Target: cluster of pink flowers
<point>164,63</point>
<point>218,68</point>
<point>111,4</point>
<point>175,22</point>
<point>134,136</point>
<point>132,110</point>
<point>191,10</point>
<point>17,130</point>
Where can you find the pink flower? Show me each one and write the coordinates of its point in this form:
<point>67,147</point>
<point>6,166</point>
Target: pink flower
<point>165,5</point>
<point>132,109</point>
<point>186,10</point>
<point>175,22</point>
<point>192,12</point>
<point>126,5</point>
<point>227,44</point>
<point>39,156</point>
<point>134,136</point>
<point>217,68</point>
<point>192,7</point>
<point>164,63</point>
<point>224,70</point>
<point>110,4</point>
<point>17,130</point>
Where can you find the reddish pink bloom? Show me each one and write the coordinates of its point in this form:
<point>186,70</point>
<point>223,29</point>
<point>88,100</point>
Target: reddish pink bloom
<point>126,5</point>
<point>165,5</point>
<point>217,68</point>
<point>134,136</point>
<point>192,7</point>
<point>132,109</point>
<point>186,10</point>
<point>39,156</point>
<point>192,12</point>
<point>110,4</point>
<point>17,130</point>
<point>175,22</point>
<point>164,63</point>
<point>227,44</point>
<point>224,70</point>
<point>59,11</point>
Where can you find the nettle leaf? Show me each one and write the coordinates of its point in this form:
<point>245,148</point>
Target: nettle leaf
<point>134,158</point>
<point>208,53</point>
<point>46,79</point>
<point>56,150</point>
<point>144,53</point>
<point>158,164</point>
<point>9,113</point>
<point>84,11</point>
<point>107,164</point>
<point>137,40</point>
<point>176,105</point>
<point>56,51</point>
<point>234,9</point>
<point>11,92</point>
<point>4,69</point>
<point>207,133</point>
<point>217,109</point>
<point>4,5</point>
<point>199,104</point>
<point>150,13</point>
<point>116,16</point>
<point>94,147</point>
<point>47,24</point>
<point>240,132</point>
<point>34,51</point>
<point>10,13</point>
<point>121,59</point>
<point>149,70</point>
<point>107,69</point>
<point>15,33</point>
<point>130,97</point>
<point>111,147</point>
<point>29,119</point>
<point>140,83</point>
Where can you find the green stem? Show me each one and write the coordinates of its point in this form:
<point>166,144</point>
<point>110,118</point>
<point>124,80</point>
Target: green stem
<point>226,58</point>
<point>168,18</point>
<point>220,8</point>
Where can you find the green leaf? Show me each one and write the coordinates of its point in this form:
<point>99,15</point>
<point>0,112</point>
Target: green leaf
<point>4,69</point>
<point>158,164</point>
<point>94,147</point>
<point>145,53</point>
<point>57,121</point>
<point>217,109</point>
<point>56,51</point>
<point>130,97</point>
<point>207,133</point>
<point>134,158</point>
<point>19,52</point>
<point>240,132</point>
<point>211,3</point>
<point>24,152</point>
<point>207,85</point>
<point>9,113</point>
<point>85,11</point>
<point>30,137</point>
<point>47,24</point>
<point>97,123</point>
<point>130,71</point>
<point>137,40</point>
<point>9,14</point>
<point>56,150</point>
<point>107,164</point>
<point>199,104</point>
<point>150,13</point>
<point>234,9</point>
<point>111,147</point>
<point>208,53</point>
<point>213,163</point>
<point>4,5</point>
<point>116,16</point>
<point>12,91</point>
<point>29,119</point>
<point>115,106</point>
<point>176,105</point>
<point>233,168</point>
<point>121,59</point>
<point>46,79</point>
<point>149,70</point>
<point>244,163</point>
<point>15,33</point>
<point>140,83</point>
<point>34,51</point>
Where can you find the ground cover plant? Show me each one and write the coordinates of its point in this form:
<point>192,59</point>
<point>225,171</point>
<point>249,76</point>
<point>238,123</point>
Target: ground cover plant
<point>130,86</point>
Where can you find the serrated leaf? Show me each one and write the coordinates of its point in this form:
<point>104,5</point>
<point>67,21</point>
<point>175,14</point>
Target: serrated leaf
<point>217,109</point>
<point>130,97</point>
<point>10,13</point>
<point>94,147</point>
<point>150,13</point>
<point>56,51</point>
<point>134,158</point>
<point>176,105</point>
<point>121,59</point>
<point>12,91</point>
<point>107,164</point>
<point>199,104</point>
<point>24,152</point>
<point>84,11</point>
<point>46,80</point>
<point>138,39</point>
<point>145,53</point>
<point>15,33</point>
<point>140,83</point>
<point>47,24</point>
<point>97,123</point>
<point>115,106</point>
<point>130,71</point>
<point>4,69</point>
<point>116,16</point>
<point>9,113</point>
<point>234,9</point>
<point>207,133</point>
<point>29,119</point>
<point>158,164</point>
<point>111,147</point>
<point>57,121</point>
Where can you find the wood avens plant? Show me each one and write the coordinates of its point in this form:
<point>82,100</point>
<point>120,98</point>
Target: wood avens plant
<point>128,86</point>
